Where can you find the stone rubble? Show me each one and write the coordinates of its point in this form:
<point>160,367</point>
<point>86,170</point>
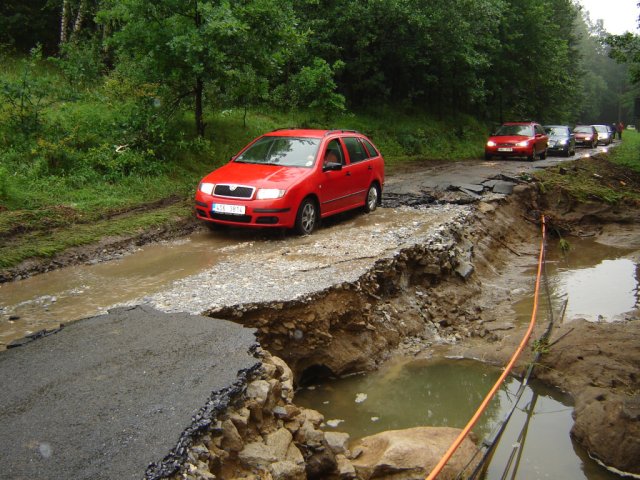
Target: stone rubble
<point>265,436</point>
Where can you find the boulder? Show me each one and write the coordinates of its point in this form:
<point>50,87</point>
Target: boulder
<point>411,454</point>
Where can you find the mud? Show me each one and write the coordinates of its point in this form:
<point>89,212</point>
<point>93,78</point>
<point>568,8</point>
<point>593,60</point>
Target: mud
<point>458,301</point>
<point>437,293</point>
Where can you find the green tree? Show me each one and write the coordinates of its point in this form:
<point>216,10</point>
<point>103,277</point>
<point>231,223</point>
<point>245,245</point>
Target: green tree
<point>196,47</point>
<point>535,68</point>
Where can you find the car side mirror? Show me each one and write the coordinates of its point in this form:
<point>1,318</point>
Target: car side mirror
<point>332,166</point>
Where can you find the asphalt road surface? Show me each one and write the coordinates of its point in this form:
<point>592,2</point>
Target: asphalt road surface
<point>105,397</point>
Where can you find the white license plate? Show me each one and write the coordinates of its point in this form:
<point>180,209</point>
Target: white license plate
<point>505,149</point>
<point>231,209</point>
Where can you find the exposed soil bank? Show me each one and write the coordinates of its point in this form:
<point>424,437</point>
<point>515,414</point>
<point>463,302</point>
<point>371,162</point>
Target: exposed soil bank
<point>455,297</point>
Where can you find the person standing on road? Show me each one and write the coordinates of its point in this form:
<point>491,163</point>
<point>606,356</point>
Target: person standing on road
<point>619,128</point>
<point>614,130</point>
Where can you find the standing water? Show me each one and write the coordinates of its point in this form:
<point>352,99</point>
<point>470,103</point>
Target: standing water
<point>447,393</point>
<point>598,283</point>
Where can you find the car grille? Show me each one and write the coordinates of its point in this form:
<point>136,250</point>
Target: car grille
<point>505,144</point>
<point>233,191</point>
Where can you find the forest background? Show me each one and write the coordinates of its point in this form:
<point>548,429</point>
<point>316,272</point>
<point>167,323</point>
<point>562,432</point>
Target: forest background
<point>110,105</point>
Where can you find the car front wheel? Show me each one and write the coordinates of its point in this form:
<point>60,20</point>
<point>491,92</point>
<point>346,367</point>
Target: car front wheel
<point>306,218</point>
<point>372,198</point>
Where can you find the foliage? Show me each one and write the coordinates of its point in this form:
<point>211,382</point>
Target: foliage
<point>41,17</point>
<point>81,62</point>
<point>200,48</point>
<point>26,97</point>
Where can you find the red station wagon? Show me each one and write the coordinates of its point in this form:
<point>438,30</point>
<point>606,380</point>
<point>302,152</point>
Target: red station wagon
<point>518,139</point>
<point>292,178</point>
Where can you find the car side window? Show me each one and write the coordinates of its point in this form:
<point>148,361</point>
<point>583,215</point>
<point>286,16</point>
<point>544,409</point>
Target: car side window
<point>333,153</point>
<point>370,148</point>
<point>357,152</point>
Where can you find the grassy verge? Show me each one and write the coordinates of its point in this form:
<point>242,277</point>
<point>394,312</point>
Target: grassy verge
<point>613,177</point>
<point>46,210</point>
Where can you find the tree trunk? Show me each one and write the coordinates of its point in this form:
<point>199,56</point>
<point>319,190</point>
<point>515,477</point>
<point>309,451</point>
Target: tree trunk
<point>199,83</point>
<point>198,107</point>
<point>77,25</point>
<point>64,22</point>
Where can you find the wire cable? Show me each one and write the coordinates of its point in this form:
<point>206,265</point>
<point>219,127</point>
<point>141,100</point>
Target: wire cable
<point>483,406</point>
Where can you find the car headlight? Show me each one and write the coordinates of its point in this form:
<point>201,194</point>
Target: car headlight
<point>269,193</point>
<point>207,188</point>
<point>491,143</point>
<point>523,144</point>
<point>588,137</point>
<point>562,142</point>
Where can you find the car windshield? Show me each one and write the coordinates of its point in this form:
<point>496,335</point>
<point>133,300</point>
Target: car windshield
<point>283,151</point>
<point>583,130</point>
<point>557,131</point>
<point>523,130</point>
<point>601,128</point>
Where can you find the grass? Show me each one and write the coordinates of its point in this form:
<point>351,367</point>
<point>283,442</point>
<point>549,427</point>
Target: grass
<point>47,243</point>
<point>612,178</point>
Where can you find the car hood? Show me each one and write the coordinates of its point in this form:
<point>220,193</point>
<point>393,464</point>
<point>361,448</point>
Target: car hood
<point>267,176</point>
<point>558,137</point>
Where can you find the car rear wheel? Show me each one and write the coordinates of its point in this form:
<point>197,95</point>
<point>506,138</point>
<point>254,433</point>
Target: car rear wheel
<point>373,196</point>
<point>532,157</point>
<point>307,217</point>
<point>543,155</point>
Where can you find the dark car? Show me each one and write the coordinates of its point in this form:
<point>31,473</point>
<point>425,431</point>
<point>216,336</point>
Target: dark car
<point>586,135</point>
<point>604,135</point>
<point>561,140</point>
<point>517,139</point>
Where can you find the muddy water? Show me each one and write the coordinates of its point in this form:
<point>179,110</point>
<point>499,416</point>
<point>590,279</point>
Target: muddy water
<point>598,282</point>
<point>44,301</point>
<point>446,393</point>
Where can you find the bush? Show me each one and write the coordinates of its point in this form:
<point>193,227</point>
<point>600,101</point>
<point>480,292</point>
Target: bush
<point>81,63</point>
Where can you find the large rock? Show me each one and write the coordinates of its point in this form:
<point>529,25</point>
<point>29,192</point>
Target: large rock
<point>411,454</point>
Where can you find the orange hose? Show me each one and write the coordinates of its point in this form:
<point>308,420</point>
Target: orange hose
<point>454,446</point>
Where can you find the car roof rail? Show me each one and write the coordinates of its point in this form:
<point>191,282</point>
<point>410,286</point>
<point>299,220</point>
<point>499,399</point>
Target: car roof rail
<point>340,131</point>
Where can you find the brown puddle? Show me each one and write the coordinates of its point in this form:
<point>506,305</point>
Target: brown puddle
<point>441,392</point>
<point>598,282</point>
<point>45,301</point>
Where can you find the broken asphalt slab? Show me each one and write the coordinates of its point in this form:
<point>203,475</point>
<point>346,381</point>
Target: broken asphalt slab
<point>107,396</point>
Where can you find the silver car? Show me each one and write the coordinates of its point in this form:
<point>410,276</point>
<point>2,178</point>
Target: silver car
<point>605,136</point>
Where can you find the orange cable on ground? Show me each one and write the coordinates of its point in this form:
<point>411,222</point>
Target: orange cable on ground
<point>454,446</point>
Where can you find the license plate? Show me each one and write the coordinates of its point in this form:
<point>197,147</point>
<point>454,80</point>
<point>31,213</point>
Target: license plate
<point>225,208</point>
<point>505,149</point>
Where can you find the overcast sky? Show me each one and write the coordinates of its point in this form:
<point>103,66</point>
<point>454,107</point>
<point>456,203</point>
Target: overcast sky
<point>619,16</point>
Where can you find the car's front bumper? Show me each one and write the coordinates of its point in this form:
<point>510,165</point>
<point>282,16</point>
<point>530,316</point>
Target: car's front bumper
<point>510,151</point>
<point>254,213</point>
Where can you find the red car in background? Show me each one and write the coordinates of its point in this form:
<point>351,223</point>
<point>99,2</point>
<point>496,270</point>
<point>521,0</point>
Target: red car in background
<point>517,139</point>
<point>586,135</point>
<point>292,178</point>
